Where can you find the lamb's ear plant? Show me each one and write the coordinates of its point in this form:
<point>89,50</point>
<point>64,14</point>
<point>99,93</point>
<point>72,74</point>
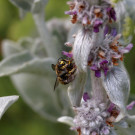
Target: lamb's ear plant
<point>98,40</point>
<point>98,46</point>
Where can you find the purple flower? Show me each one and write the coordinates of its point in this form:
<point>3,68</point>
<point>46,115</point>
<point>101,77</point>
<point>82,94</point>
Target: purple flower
<point>111,107</point>
<point>113,32</point>
<point>129,47</point>
<point>70,55</point>
<point>91,118</point>
<point>94,67</point>
<point>98,73</point>
<point>97,24</point>
<point>97,70</point>
<point>103,66</point>
<point>105,130</point>
<point>106,30</point>
<point>86,97</point>
<point>131,105</point>
<point>126,49</point>
<point>111,13</point>
<point>70,12</point>
<point>94,116</point>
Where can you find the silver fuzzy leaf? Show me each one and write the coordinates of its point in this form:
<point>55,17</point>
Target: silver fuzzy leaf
<point>117,86</point>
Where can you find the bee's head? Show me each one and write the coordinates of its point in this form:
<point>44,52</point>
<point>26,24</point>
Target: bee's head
<point>61,63</point>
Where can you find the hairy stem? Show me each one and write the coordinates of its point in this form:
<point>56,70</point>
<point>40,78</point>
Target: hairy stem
<point>45,35</point>
<point>98,90</point>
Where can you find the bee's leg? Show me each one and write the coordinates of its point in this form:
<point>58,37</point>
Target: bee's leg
<point>62,74</point>
<point>72,71</point>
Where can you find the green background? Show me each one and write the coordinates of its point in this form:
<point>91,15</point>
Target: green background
<point>20,119</point>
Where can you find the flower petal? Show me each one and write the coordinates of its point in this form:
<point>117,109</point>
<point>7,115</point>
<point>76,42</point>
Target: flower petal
<point>131,105</point>
<point>68,54</point>
<point>127,48</point>
<point>117,86</point>
<point>75,90</point>
<point>86,96</point>
<point>6,102</point>
<point>66,120</point>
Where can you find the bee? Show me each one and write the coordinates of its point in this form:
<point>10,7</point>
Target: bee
<point>65,70</point>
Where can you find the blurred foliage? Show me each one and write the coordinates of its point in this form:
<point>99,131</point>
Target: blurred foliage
<point>20,119</point>
<point>12,27</point>
<point>115,1</point>
<point>129,28</point>
<point>8,14</point>
<point>21,28</point>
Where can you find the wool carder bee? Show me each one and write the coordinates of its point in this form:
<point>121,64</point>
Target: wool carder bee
<point>65,70</point>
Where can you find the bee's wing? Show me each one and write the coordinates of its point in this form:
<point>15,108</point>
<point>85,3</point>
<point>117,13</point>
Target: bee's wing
<point>56,83</point>
<point>53,66</point>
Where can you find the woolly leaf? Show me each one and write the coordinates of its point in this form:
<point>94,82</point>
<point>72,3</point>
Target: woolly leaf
<point>6,102</point>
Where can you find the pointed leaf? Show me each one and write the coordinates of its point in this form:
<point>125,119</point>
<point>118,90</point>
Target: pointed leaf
<point>9,47</point>
<point>11,64</point>
<point>35,46</point>
<point>24,62</point>
<point>6,102</point>
<point>24,4</point>
<point>38,92</point>
<point>35,6</point>
<point>117,86</point>
<point>81,49</point>
<point>66,120</point>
